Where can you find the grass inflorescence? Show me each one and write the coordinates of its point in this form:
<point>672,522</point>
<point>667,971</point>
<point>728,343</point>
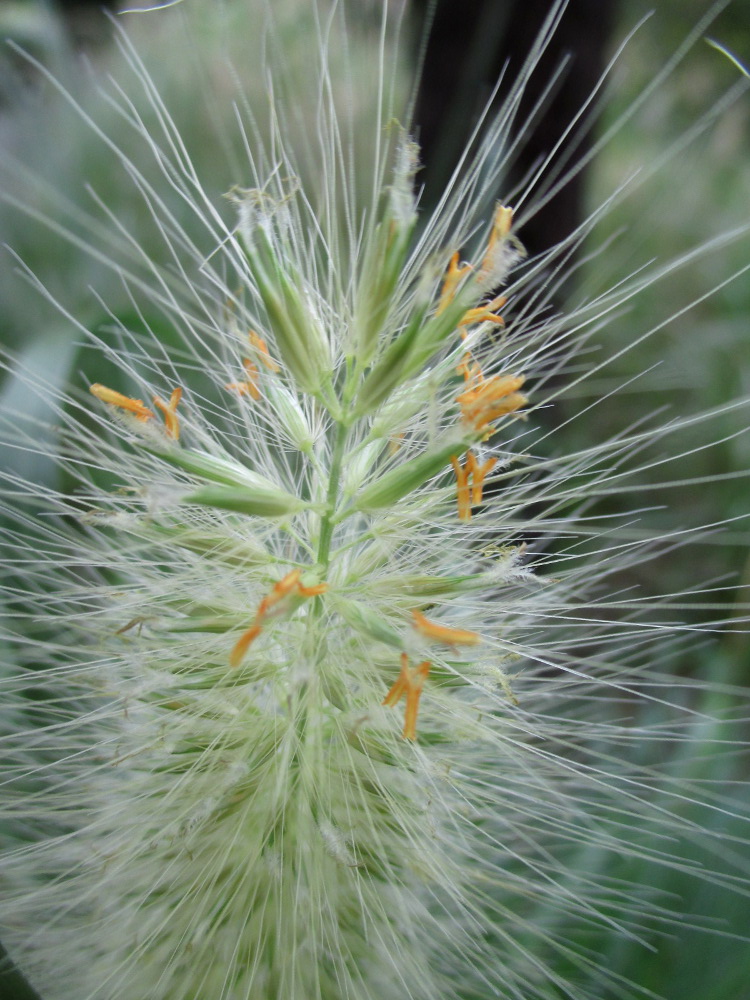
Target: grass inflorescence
<point>326,677</point>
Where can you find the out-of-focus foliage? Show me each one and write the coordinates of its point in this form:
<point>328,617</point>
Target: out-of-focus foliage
<point>701,358</point>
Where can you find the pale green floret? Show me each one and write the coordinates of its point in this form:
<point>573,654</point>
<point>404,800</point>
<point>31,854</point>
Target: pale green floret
<point>387,373</point>
<point>405,402</point>
<point>195,623</point>
<point>218,470</point>
<point>368,622</point>
<point>422,585</point>
<point>432,336</point>
<point>381,270</point>
<point>407,477</point>
<point>359,464</point>
<point>299,337</point>
<point>300,340</point>
<point>290,415</point>
<point>256,501</point>
<point>385,256</point>
<point>224,549</point>
<point>377,553</point>
<point>418,342</point>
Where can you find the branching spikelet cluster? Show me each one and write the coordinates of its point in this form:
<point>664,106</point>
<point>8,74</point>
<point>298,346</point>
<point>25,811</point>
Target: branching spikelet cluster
<point>295,711</point>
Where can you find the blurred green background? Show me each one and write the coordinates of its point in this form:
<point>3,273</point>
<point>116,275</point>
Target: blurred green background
<point>700,359</point>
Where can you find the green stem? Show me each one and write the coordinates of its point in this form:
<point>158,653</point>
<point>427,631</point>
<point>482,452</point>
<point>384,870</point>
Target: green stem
<point>327,522</point>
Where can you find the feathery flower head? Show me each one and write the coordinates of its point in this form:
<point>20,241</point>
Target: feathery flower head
<point>303,735</point>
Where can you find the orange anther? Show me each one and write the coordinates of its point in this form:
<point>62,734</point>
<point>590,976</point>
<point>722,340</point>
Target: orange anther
<point>468,367</point>
<point>479,472</point>
<point>242,645</point>
<point>490,399</point>
<point>443,633</point>
<point>250,385</point>
<point>417,679</point>
<point>134,406</point>
<point>171,420</point>
<point>453,277</point>
<point>262,348</point>
<point>280,590</point>
<point>400,686</point>
<point>503,407</point>
<point>409,683</point>
<point>289,584</point>
<point>470,481</point>
<point>484,313</point>
<point>315,591</point>
<point>464,500</point>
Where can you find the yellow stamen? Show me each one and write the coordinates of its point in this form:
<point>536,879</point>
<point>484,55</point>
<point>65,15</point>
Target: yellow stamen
<point>479,472</point>
<point>470,482</point>
<point>400,686</point>
<point>242,645</point>
<point>280,590</point>
<point>250,385</point>
<point>484,313</point>
<point>462,480</point>
<point>503,407</point>
<point>315,591</point>
<point>171,420</point>
<point>468,367</point>
<point>491,398</point>
<point>443,633</point>
<point>286,585</point>
<point>252,372</point>
<point>262,348</point>
<point>409,683</point>
<point>418,676</point>
<point>134,406</point>
<point>453,277</point>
